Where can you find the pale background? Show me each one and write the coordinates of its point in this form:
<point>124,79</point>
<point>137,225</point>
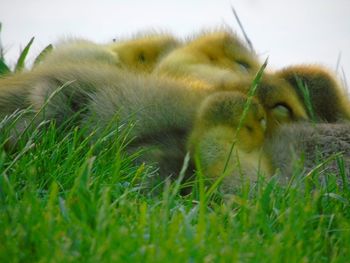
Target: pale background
<point>289,32</point>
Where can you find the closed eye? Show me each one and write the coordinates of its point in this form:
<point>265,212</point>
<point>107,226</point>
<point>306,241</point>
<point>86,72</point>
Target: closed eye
<point>142,57</point>
<point>282,112</point>
<point>212,59</point>
<point>249,128</point>
<point>243,65</point>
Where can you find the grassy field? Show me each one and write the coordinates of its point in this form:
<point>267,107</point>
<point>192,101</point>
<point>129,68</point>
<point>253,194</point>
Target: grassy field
<point>65,197</point>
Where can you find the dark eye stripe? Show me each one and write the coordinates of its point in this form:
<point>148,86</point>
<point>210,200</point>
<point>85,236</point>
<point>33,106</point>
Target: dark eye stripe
<point>249,128</point>
<point>142,57</point>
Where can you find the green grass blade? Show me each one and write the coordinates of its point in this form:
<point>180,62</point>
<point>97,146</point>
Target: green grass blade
<point>1,47</point>
<point>251,94</point>
<point>4,69</point>
<point>21,60</point>
<point>42,54</point>
<point>307,98</point>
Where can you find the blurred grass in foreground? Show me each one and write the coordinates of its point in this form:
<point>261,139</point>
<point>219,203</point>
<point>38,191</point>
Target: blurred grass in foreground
<point>68,198</point>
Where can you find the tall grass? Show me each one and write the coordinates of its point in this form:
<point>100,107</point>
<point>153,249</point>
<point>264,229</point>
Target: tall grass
<point>72,198</point>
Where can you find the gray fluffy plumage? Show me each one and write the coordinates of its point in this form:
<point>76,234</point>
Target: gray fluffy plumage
<point>306,146</point>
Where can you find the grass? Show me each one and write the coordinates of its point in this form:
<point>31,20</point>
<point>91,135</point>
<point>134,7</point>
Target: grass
<point>65,197</point>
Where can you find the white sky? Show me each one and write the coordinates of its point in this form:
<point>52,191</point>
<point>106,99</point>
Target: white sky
<point>289,32</point>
